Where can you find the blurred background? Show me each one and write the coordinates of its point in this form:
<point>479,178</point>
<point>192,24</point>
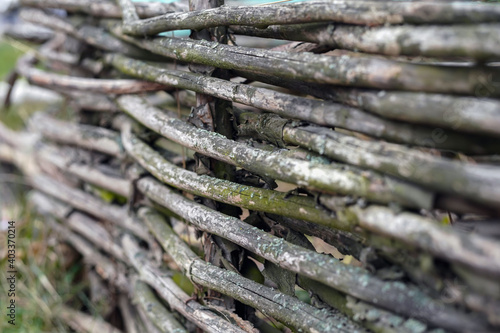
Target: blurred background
<point>46,268</point>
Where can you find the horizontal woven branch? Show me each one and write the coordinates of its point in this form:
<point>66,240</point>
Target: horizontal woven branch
<point>472,41</point>
<point>366,13</point>
<point>478,182</point>
<point>379,148</point>
<point>359,70</point>
<point>103,8</point>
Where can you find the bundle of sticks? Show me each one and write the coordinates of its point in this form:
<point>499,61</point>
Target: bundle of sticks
<point>367,128</point>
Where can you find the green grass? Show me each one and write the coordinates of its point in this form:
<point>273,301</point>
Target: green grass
<point>8,55</point>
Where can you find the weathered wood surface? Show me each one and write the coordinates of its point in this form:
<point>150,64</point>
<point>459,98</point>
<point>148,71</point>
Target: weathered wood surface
<point>369,13</point>
<point>478,182</point>
<point>102,8</point>
<point>329,178</point>
<point>471,41</point>
<point>315,111</point>
<point>360,70</point>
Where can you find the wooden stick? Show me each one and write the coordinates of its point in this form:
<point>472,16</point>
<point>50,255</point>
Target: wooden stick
<point>349,279</point>
<point>315,111</point>
<point>67,159</point>
<point>480,183</point>
<point>369,13</point>
<point>78,222</point>
<point>85,136</point>
<point>471,41</point>
<point>353,69</point>
<point>89,204</point>
<point>103,8</point>
<point>95,36</point>
<point>292,312</point>
<point>84,323</point>
<point>249,197</point>
<point>163,319</point>
<point>479,115</point>
<point>329,178</point>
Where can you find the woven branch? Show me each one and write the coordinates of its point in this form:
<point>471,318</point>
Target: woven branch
<point>351,280</point>
<point>163,319</point>
<point>318,112</point>
<point>420,221</point>
<point>58,81</point>
<point>167,288</point>
<point>89,34</point>
<point>103,8</point>
<point>85,136</point>
<point>472,41</point>
<point>480,183</point>
<point>369,13</point>
<point>354,69</point>
<point>280,306</point>
<point>78,222</point>
<point>82,322</point>
<point>89,204</point>
<point>442,242</point>
<point>330,178</point>
<point>468,114</point>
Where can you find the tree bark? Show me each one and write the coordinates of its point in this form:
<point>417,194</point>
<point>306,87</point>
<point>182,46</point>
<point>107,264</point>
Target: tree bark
<point>471,41</point>
<point>354,69</point>
<point>329,178</point>
<point>109,9</point>
<point>318,112</point>
<point>354,281</point>
<point>480,183</point>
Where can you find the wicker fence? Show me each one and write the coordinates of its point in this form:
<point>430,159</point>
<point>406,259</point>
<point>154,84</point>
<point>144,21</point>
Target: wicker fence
<point>372,138</point>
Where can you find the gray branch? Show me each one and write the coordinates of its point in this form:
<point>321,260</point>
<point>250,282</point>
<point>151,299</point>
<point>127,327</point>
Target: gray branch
<point>106,8</point>
<point>163,319</point>
<point>91,35</point>
<point>85,136</point>
<point>330,178</point>
<point>285,308</point>
<point>480,183</point>
<point>473,41</point>
<point>352,280</point>
<point>369,13</point>
<point>59,81</point>
<point>469,114</point>
<point>315,111</point>
<point>89,204</point>
<point>352,69</point>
